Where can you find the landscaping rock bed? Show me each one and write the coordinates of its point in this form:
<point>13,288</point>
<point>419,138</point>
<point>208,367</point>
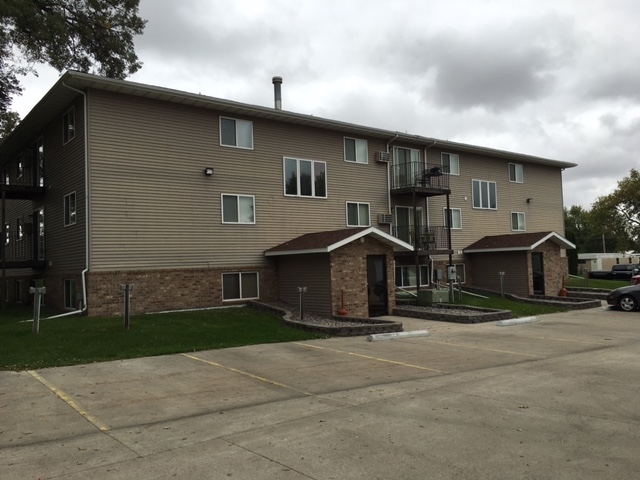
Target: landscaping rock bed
<point>453,313</point>
<point>335,326</point>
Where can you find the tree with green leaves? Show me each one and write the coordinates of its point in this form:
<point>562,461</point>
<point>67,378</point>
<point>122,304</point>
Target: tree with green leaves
<point>619,212</point>
<point>93,36</point>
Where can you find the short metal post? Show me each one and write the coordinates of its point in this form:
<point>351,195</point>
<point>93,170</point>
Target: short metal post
<point>302,291</point>
<point>37,301</point>
<point>127,287</point>
<point>586,277</point>
<point>501,283</point>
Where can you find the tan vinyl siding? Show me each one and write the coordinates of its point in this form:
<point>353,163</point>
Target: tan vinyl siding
<point>542,184</point>
<point>311,271</point>
<point>152,206</point>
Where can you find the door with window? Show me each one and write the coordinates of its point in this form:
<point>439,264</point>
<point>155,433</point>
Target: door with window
<point>377,285</point>
<point>406,166</point>
<point>537,264</point>
<point>405,224</point>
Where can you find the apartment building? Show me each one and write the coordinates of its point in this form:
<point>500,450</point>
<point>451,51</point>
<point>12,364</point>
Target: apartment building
<point>199,201</point>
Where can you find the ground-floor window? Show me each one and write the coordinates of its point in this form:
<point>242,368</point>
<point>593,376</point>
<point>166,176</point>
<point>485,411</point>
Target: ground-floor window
<point>240,286</point>
<point>69,293</point>
<point>406,275</point>
<point>461,276</point>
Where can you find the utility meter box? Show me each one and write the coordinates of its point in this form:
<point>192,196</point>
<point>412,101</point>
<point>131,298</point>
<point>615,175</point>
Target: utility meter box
<point>429,297</point>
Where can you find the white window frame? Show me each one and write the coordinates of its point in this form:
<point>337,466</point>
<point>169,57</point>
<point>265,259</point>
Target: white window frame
<point>238,197</point>
<point>453,218</point>
<point>7,236</point>
<point>451,170</point>
<point>422,277</point>
<point>518,173</point>
<point>69,213</point>
<point>313,183</point>
<point>483,205</point>
<point>19,229</point>
<point>235,129</point>
<point>518,222</point>
<point>240,275</point>
<point>19,167</point>
<point>363,158</point>
<point>68,125</point>
<point>70,293</point>
<point>360,223</point>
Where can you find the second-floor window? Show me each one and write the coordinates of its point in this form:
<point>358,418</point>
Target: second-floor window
<point>517,222</point>
<point>19,167</point>
<point>238,209</point>
<point>516,173</point>
<point>456,218</point>
<point>19,229</point>
<point>7,238</point>
<point>305,178</point>
<point>358,214</point>
<point>70,209</point>
<point>236,133</point>
<point>484,194</point>
<point>355,150</point>
<point>451,163</point>
<point>68,126</point>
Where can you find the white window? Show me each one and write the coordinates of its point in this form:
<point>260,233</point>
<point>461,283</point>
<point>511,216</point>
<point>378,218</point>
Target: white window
<point>70,209</point>
<point>456,218</point>
<point>240,286</point>
<point>7,238</point>
<point>70,294</point>
<point>358,215</point>
<point>236,133</point>
<point>19,167</point>
<point>238,209</point>
<point>19,229</point>
<point>355,150</point>
<point>406,275</point>
<point>305,178</point>
<point>517,221</point>
<point>68,126</point>
<point>451,163</point>
<point>516,173</point>
<point>484,194</point>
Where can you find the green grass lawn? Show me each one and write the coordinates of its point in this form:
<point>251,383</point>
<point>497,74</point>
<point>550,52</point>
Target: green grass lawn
<point>596,283</point>
<point>76,340</point>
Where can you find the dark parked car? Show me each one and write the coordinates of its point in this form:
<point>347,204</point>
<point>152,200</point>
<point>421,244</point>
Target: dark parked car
<point>625,298</point>
<point>617,272</point>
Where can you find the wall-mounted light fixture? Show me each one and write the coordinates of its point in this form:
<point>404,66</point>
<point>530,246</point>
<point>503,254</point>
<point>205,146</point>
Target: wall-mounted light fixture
<point>529,200</point>
<point>208,171</point>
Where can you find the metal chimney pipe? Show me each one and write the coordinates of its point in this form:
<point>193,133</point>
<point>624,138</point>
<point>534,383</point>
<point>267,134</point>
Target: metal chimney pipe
<point>277,82</point>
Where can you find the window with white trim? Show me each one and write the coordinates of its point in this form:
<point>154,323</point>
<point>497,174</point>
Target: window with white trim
<point>7,238</point>
<point>516,173</point>
<point>19,167</point>
<point>358,214</point>
<point>456,218</point>
<point>406,275</point>
<point>305,178</point>
<point>484,194</point>
<point>451,163</point>
<point>461,275</point>
<point>68,125</point>
<point>236,133</point>
<point>70,296</point>
<point>517,222</point>
<point>240,286</point>
<point>70,209</point>
<point>238,209</point>
<point>355,150</point>
<point>19,229</point>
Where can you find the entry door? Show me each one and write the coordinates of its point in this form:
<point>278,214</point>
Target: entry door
<point>538,273</point>
<point>377,285</point>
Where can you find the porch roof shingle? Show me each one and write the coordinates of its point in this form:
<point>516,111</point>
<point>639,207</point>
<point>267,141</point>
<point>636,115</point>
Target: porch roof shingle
<point>517,242</point>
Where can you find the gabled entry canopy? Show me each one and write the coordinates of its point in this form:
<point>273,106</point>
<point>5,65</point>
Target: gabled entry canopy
<point>325,242</point>
<point>517,242</point>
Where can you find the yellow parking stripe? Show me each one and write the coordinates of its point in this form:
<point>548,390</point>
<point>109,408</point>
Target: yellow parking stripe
<point>385,360</point>
<point>488,349</point>
<point>69,401</point>
<point>247,374</point>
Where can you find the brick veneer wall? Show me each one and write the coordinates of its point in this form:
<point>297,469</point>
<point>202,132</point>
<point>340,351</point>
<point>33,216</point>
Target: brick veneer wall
<point>349,274</point>
<point>159,290</point>
<point>555,268</point>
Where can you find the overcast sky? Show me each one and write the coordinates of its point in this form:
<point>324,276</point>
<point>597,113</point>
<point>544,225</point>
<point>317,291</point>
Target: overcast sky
<point>554,78</point>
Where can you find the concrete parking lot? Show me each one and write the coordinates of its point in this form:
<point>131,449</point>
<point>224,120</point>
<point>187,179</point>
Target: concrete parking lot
<point>556,399</point>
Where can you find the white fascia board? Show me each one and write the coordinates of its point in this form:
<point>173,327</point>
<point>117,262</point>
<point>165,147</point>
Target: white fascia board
<point>489,250</point>
<point>557,239</point>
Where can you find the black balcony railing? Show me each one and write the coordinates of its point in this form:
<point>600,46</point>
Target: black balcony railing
<point>414,174</point>
<point>429,238</point>
<point>28,249</point>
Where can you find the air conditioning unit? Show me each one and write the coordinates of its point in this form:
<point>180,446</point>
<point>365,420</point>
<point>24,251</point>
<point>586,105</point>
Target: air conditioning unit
<point>383,157</point>
<point>385,218</point>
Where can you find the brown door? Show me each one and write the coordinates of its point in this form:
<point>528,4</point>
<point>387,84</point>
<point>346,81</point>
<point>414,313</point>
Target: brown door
<point>377,285</point>
<point>538,273</point>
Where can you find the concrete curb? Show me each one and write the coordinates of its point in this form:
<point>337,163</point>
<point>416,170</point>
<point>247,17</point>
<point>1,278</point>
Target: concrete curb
<point>390,336</point>
<point>516,321</point>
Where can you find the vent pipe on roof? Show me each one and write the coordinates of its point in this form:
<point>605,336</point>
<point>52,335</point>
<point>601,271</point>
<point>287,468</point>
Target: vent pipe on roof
<point>277,81</point>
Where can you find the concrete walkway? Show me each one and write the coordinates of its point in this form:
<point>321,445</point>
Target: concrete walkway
<point>556,399</point>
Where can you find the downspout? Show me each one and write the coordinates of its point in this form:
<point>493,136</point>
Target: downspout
<point>86,205</point>
<point>389,177</point>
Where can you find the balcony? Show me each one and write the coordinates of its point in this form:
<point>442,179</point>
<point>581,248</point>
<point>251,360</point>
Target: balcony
<point>28,252</point>
<point>24,188</point>
<point>431,240</point>
<point>413,178</point>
